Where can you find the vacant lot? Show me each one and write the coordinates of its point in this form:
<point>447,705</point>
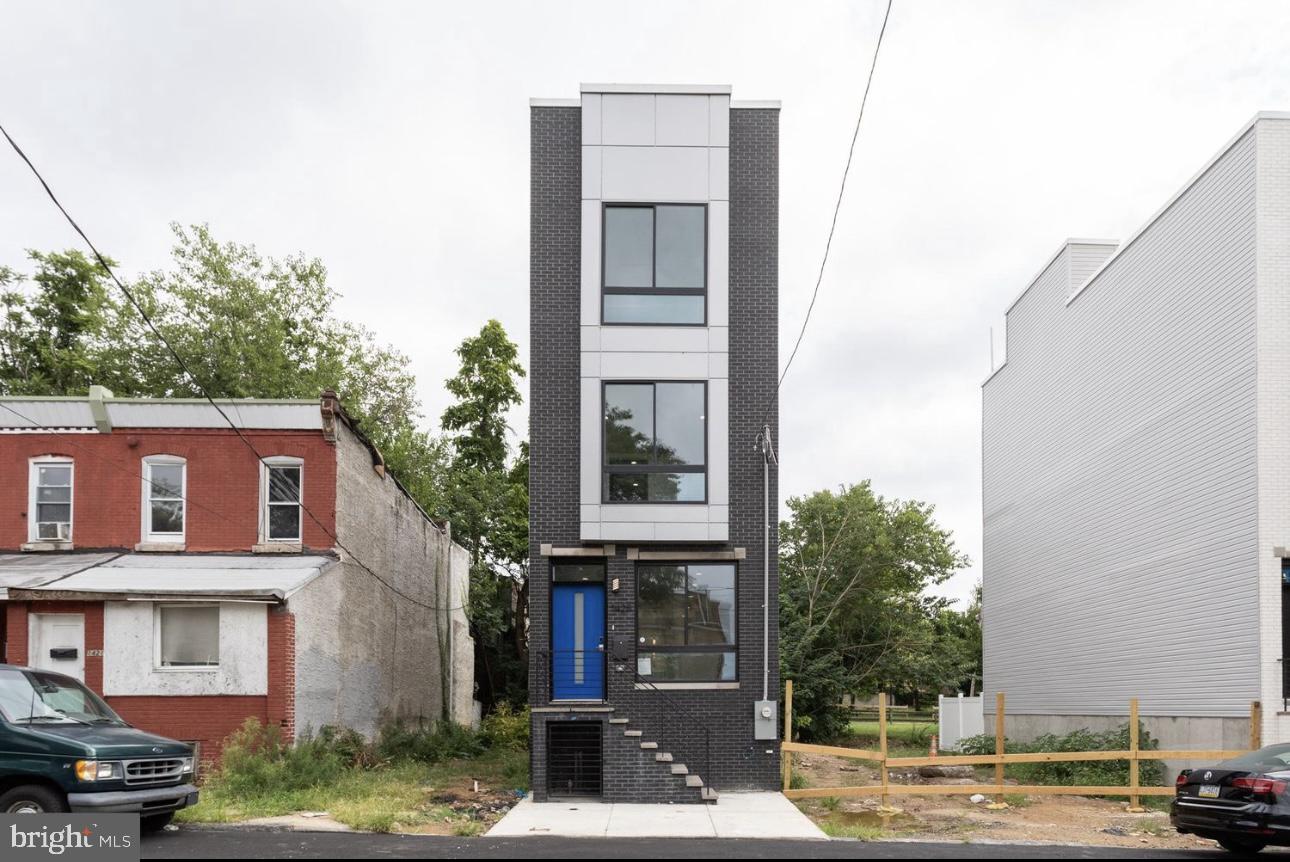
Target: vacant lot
<point>1067,820</point>
<point>457,797</point>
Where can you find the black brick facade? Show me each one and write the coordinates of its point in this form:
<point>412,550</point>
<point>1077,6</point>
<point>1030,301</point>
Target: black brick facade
<point>735,760</point>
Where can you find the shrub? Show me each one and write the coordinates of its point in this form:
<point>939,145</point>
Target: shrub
<point>1093,772</point>
<point>506,728</point>
<point>444,740</point>
<point>256,759</point>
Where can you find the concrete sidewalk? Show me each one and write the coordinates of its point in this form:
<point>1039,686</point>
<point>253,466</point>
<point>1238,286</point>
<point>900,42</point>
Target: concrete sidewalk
<point>737,815</point>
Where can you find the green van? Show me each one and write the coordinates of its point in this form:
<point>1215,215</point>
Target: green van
<point>63,749</point>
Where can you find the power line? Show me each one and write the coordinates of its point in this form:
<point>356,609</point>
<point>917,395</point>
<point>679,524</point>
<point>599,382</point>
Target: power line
<point>189,500</point>
<point>837,208</point>
<point>143,314</point>
<point>69,439</point>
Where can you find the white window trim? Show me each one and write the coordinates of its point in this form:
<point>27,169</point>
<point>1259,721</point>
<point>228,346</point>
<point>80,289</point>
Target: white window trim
<point>156,637</point>
<point>265,464</point>
<point>33,532</point>
<point>147,537</point>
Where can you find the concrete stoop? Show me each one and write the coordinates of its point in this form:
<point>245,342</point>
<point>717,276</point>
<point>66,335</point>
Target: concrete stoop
<point>667,763</point>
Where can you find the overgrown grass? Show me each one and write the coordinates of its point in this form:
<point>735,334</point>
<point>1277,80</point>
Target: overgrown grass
<point>912,733</point>
<point>834,829</point>
<point>405,780</point>
<point>1081,773</point>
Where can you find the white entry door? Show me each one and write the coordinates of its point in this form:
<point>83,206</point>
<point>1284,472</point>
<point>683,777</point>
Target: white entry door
<point>57,642</point>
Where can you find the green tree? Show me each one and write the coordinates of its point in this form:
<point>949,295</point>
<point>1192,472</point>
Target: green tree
<point>246,325</point>
<point>58,328</point>
<point>854,569</point>
<point>488,506</point>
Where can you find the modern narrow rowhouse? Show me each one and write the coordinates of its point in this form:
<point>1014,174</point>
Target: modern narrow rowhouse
<point>653,279</point>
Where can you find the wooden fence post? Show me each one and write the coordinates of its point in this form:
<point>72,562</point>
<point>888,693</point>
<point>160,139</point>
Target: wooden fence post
<point>882,746</point>
<point>786,757</point>
<point>998,744</point>
<point>1256,726</point>
<point>1135,802</point>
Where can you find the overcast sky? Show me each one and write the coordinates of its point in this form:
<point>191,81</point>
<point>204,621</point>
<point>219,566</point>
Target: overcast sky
<point>391,140</point>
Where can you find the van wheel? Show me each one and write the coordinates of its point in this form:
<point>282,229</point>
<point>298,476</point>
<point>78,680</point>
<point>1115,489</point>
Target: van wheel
<point>155,822</point>
<point>1236,845</point>
<point>32,799</point>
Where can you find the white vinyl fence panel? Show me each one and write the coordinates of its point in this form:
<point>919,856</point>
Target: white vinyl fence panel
<point>960,717</point>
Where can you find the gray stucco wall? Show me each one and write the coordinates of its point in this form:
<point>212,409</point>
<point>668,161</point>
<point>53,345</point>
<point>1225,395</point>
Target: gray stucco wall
<point>738,762</point>
<point>364,651</point>
<point>1119,472</point>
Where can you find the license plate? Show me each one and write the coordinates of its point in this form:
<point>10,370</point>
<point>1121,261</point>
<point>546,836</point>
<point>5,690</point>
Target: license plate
<point>1208,791</point>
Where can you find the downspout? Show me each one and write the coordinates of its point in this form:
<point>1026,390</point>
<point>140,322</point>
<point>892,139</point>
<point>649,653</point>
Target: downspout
<point>768,456</point>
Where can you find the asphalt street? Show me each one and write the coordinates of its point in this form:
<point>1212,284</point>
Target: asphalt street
<point>191,843</point>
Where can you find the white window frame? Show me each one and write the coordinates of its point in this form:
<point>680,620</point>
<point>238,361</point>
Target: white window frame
<point>156,638</point>
<point>33,511</point>
<point>265,465</point>
<point>147,536</point>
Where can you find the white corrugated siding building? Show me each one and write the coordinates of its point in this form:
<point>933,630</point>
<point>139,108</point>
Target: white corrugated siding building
<point>1136,468</point>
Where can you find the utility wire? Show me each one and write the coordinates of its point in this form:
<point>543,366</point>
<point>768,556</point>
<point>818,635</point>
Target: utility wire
<point>837,208</point>
<point>183,366</point>
<point>71,441</point>
<point>187,500</point>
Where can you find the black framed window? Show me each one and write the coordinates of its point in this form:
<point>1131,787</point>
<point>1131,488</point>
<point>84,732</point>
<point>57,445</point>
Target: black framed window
<point>685,622</point>
<point>655,442</point>
<point>654,264</point>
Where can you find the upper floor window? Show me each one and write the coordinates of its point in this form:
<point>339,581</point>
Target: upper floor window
<point>655,263</point>
<point>655,442</point>
<point>165,479</point>
<point>281,491</point>
<point>50,504</point>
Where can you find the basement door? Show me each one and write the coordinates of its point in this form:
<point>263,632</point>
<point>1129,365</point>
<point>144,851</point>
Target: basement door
<point>57,643</point>
<point>578,642</point>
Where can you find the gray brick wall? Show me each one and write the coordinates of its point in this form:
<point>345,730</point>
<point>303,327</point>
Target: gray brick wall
<point>735,760</point>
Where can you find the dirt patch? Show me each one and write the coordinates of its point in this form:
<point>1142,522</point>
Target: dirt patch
<point>1055,819</point>
<point>470,809</point>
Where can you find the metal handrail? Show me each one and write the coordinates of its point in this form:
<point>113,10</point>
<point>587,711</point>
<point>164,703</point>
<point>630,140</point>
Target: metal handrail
<point>552,667</point>
<point>545,679</point>
<point>707,775</point>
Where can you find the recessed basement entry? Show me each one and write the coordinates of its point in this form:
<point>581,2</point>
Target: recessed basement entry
<point>574,759</point>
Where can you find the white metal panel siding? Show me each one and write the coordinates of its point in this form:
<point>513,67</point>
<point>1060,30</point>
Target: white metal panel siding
<point>163,413</point>
<point>1119,473</point>
<point>54,413</point>
<point>1274,406</point>
<point>1083,259</point>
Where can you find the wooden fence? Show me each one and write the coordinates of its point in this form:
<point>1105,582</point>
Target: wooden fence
<point>1134,755</point>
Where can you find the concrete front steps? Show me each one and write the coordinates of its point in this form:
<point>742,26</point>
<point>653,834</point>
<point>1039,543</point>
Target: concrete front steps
<point>665,760</point>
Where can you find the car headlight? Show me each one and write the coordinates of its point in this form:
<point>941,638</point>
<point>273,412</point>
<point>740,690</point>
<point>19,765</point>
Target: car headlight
<point>97,770</point>
<point>188,765</point>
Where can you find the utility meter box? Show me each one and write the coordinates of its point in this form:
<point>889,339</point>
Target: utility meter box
<point>765,725</point>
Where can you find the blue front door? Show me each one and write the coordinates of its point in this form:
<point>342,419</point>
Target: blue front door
<point>578,641</point>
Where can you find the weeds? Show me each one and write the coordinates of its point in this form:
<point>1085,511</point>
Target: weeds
<point>1095,772</point>
<point>393,783</point>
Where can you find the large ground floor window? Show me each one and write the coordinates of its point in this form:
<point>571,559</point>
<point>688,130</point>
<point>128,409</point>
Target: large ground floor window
<point>685,622</point>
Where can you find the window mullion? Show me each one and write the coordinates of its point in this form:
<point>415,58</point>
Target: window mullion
<point>653,254</point>
<point>653,431</point>
<point>685,622</point>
